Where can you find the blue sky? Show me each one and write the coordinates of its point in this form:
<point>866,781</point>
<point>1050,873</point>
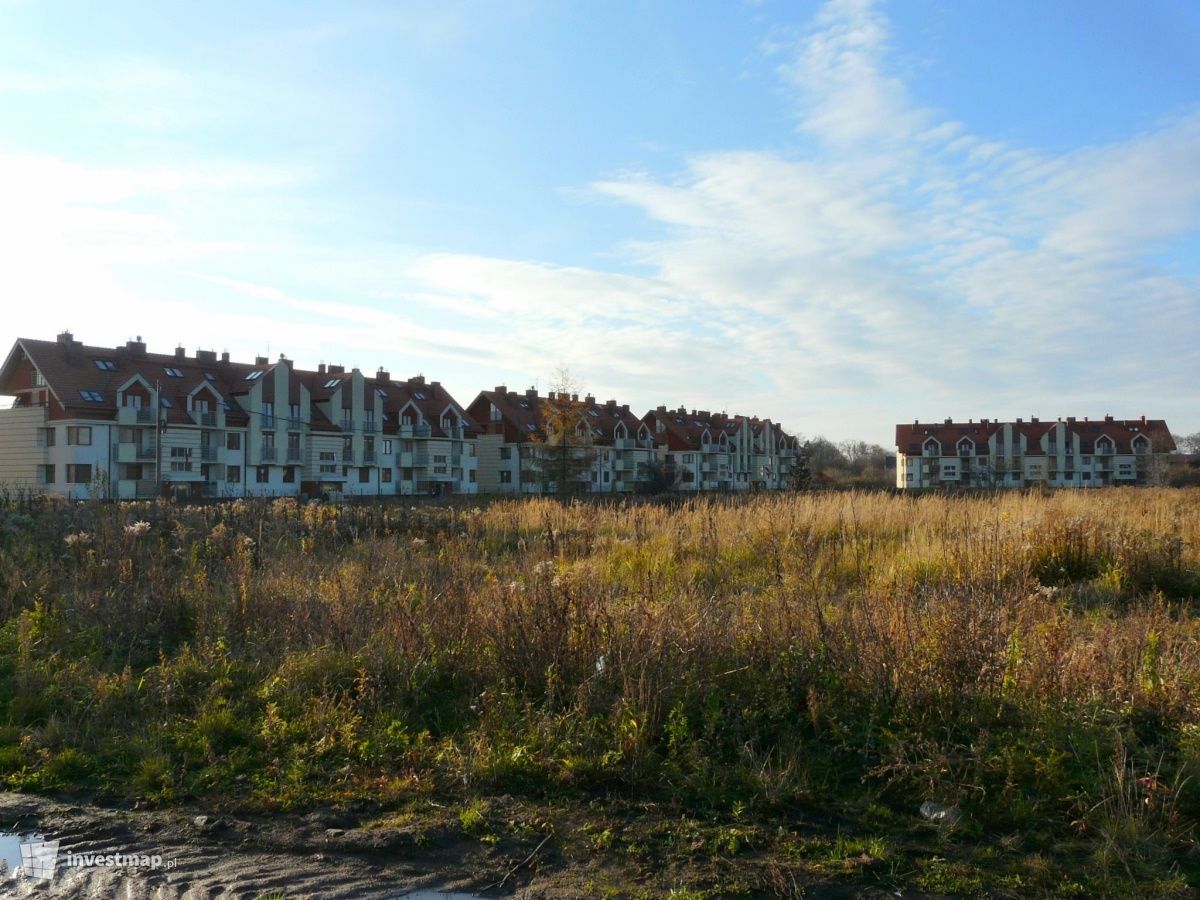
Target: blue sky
<point>840,215</point>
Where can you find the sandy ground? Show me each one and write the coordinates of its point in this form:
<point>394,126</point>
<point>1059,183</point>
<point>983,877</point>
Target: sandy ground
<point>227,856</point>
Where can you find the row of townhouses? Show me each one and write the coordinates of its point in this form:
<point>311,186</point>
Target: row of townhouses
<point>1063,453</point>
<point>125,423</point>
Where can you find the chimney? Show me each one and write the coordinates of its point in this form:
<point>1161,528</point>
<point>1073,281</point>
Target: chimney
<point>984,422</point>
<point>625,407</point>
<point>136,348</point>
<point>225,356</point>
<point>661,409</point>
<point>260,360</point>
<point>1143,420</point>
<point>502,389</point>
<point>180,353</point>
<point>1019,420</point>
<point>208,356</point>
<point>336,370</point>
<point>574,398</point>
<point>417,380</point>
<point>1108,418</point>
<point>435,385</point>
<point>1033,420</point>
<point>531,393</point>
<point>1070,420</point>
<point>383,374</point>
<point>949,421</point>
<point>283,358</point>
<point>65,337</point>
<point>589,400</point>
<point>320,368</point>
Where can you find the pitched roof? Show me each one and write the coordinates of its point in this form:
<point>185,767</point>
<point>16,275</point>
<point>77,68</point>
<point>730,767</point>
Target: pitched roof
<point>911,438</point>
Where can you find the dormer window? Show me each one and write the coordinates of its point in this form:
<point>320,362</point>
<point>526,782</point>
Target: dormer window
<point>932,448</point>
<point>447,423</point>
<point>1104,445</point>
<point>494,413</point>
<point>965,447</point>
<point>1141,444</point>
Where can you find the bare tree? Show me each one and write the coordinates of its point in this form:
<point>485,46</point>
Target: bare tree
<point>567,454</point>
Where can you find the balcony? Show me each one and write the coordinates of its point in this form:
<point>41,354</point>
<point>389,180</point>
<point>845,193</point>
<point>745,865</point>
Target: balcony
<point>624,444</point>
<point>135,415</point>
<point>404,460</point>
<point>456,459</point>
<point>347,425</point>
<point>420,459</point>
<point>294,454</point>
<point>208,454</point>
<point>206,419</point>
<point>295,423</point>
<point>368,456</point>
<point>132,453</point>
<point>410,431</point>
<point>266,454</point>
<point>267,421</point>
<point>348,457</point>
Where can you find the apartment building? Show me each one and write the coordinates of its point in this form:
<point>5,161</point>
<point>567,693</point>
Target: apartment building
<point>608,450</point>
<point>125,423</point>
<point>705,451</point>
<point>1067,452</point>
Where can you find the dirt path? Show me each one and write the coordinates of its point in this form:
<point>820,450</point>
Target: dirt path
<point>203,856</point>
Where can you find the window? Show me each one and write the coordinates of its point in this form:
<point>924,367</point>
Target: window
<point>419,395</point>
<point>210,376</point>
<point>233,474</point>
<point>79,474</point>
<point>364,475</point>
<point>387,447</point>
<point>380,392</point>
<point>39,380</point>
<point>529,426</point>
<point>48,474</point>
<point>49,437</point>
<point>328,456</point>
<point>133,401</point>
<point>471,476</point>
<point>289,475</point>
<point>79,435</point>
<point>106,365</point>
<point>172,371</point>
<point>233,440</point>
<point>385,475</point>
<point>165,402</point>
<point>594,413</point>
<point>255,375</point>
<point>332,383</point>
<point>506,452</point>
<point>494,413</point>
<point>262,474</point>
<point>268,440</point>
<point>294,410</point>
<point>505,477</point>
<point>92,396</point>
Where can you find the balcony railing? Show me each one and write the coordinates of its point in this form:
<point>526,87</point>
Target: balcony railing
<point>208,454</point>
<point>420,459</point>
<point>294,454</point>
<point>267,454</point>
<point>295,423</point>
<point>147,453</point>
<point>144,414</point>
<point>368,456</point>
<point>348,457</point>
<point>267,421</point>
<point>207,419</point>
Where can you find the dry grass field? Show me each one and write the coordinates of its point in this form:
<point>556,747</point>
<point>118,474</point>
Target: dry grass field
<point>752,695</point>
